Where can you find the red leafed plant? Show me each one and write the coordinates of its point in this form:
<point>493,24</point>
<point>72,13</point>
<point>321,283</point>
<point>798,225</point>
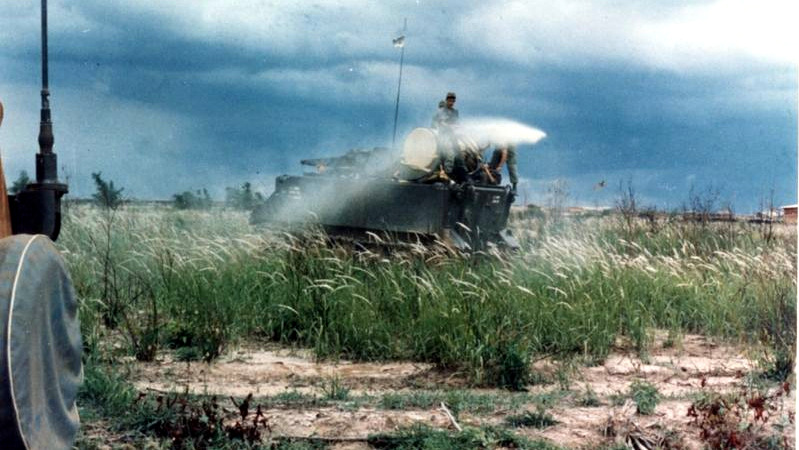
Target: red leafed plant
<point>746,420</point>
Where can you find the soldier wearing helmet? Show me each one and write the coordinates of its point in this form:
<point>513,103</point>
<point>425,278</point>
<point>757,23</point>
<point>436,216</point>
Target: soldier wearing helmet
<point>448,115</point>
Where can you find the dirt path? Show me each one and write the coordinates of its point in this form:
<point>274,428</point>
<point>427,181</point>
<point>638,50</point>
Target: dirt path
<point>271,371</point>
<point>678,372</point>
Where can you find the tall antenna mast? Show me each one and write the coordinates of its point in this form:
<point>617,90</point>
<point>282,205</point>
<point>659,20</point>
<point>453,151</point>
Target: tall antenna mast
<point>37,208</point>
<point>46,161</point>
<point>399,42</point>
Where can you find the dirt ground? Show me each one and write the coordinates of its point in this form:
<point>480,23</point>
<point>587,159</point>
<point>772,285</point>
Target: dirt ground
<point>679,372</point>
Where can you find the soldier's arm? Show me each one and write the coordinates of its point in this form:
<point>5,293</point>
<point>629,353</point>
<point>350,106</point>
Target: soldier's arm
<point>503,158</point>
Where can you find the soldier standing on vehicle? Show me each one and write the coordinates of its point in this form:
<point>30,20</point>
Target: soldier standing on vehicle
<point>505,154</point>
<point>434,122</point>
<point>444,120</point>
<point>447,116</point>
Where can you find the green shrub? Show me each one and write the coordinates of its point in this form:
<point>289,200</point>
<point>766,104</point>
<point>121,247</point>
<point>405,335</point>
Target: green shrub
<point>645,396</point>
<point>537,419</point>
<point>106,195</point>
<point>200,199</point>
<point>333,389</point>
<point>588,398</point>
<point>105,390</point>
<point>20,183</point>
<point>243,197</point>
<point>425,438</point>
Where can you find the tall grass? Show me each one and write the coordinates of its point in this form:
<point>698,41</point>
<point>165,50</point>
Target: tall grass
<point>205,280</point>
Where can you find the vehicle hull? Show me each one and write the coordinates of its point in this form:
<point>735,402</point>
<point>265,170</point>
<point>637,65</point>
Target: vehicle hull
<point>467,216</point>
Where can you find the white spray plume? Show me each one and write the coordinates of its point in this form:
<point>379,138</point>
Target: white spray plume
<point>498,130</point>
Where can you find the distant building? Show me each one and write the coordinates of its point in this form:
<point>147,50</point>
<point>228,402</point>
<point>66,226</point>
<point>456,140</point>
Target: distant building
<point>585,211</point>
<point>789,214</point>
<point>723,215</point>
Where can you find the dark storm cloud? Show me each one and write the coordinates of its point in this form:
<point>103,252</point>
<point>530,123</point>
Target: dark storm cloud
<point>208,94</point>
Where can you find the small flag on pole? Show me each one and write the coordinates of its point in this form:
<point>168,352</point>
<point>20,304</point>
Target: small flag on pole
<point>399,42</point>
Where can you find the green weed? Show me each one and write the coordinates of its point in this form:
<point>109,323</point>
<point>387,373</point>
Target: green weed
<point>588,398</point>
<point>537,419</point>
<point>645,396</point>
<point>425,438</point>
<point>104,391</point>
<point>457,400</point>
<point>289,444</point>
<point>333,389</point>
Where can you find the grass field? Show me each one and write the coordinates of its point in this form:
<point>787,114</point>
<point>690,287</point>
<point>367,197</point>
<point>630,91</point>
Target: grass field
<point>199,285</point>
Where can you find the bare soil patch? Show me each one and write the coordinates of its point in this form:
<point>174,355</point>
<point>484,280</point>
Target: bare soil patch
<point>270,371</point>
<point>679,373</point>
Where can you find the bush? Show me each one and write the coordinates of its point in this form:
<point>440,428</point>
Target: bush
<point>106,195</point>
<point>645,396</point>
<point>20,183</point>
<point>509,366</point>
<point>743,420</point>
<point>425,438</point>
<point>537,419</point>
<point>243,197</point>
<point>192,200</point>
<point>105,391</point>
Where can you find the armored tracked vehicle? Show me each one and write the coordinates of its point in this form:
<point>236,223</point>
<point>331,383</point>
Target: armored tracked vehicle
<point>371,194</point>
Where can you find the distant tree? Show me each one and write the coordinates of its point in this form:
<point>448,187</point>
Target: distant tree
<point>20,183</point>
<point>533,212</point>
<point>243,197</point>
<point>200,199</point>
<point>626,206</point>
<point>184,200</point>
<point>206,198</point>
<point>767,214</point>
<point>651,214</point>
<point>106,195</point>
<point>558,194</point>
<point>703,203</point>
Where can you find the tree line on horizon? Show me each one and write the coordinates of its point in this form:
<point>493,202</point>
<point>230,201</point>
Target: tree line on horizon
<point>702,203</point>
<point>108,196</point>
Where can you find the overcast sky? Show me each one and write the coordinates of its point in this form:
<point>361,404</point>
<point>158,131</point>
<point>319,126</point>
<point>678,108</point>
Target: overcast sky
<point>164,97</point>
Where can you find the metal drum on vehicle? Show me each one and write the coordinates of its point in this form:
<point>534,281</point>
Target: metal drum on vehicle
<point>420,150</point>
